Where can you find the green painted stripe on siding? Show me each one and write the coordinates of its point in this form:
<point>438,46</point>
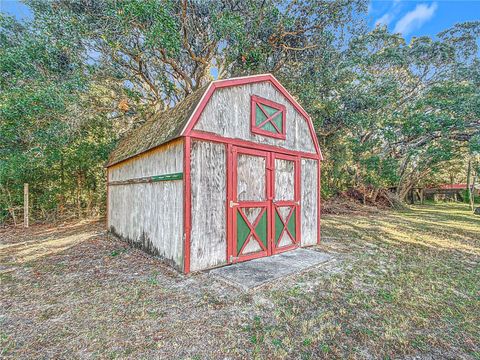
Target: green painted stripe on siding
<point>167,177</point>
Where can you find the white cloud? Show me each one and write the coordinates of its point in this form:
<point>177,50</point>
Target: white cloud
<point>390,15</point>
<point>386,19</point>
<point>416,18</point>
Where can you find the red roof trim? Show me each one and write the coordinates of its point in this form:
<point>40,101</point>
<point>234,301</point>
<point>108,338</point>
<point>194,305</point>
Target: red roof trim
<point>249,80</point>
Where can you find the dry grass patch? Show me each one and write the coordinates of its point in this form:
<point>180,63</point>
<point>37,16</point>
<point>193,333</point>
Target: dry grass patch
<point>404,285</point>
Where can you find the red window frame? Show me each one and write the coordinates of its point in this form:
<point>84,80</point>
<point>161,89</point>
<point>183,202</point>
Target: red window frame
<point>257,129</point>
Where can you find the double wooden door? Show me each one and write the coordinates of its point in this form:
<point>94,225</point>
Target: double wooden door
<point>264,203</point>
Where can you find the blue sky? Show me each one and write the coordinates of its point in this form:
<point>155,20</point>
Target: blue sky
<point>14,7</point>
<point>411,18</point>
<point>417,18</point>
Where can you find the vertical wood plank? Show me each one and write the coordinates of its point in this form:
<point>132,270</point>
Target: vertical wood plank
<point>298,198</point>
<point>319,207</point>
<point>309,203</point>
<point>208,234</point>
<point>271,208</point>
<point>229,211</point>
<point>187,209</point>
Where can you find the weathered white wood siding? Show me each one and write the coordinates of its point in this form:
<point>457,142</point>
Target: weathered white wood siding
<point>208,237</point>
<point>284,179</point>
<point>228,114</point>
<point>150,215</point>
<point>251,178</point>
<point>309,201</point>
<point>165,160</point>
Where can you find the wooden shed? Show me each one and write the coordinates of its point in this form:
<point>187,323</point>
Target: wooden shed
<point>230,174</point>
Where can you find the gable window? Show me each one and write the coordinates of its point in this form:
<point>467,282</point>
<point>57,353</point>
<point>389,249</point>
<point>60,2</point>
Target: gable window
<point>268,117</point>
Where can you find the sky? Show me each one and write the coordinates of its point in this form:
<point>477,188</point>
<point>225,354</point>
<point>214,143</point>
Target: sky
<point>419,18</point>
<point>409,17</point>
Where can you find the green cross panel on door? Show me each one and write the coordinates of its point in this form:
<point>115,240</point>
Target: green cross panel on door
<point>251,230</point>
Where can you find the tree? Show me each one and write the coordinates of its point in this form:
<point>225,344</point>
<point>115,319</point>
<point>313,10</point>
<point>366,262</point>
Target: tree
<point>395,112</point>
<point>163,50</point>
<point>45,138</point>
<point>82,74</point>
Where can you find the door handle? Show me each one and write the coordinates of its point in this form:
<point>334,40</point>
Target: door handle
<point>232,203</point>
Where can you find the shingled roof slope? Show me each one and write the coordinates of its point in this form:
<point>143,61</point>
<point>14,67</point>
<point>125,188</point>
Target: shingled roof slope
<point>158,130</point>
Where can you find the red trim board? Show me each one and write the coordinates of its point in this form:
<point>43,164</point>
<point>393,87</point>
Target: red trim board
<point>187,200</point>
<point>248,80</point>
<point>229,169</point>
<point>201,135</point>
<point>319,187</point>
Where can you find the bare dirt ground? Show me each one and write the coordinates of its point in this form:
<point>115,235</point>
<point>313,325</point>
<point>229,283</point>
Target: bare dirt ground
<point>405,285</point>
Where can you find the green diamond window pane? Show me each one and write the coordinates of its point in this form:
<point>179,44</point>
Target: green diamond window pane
<point>292,225</point>
<point>278,121</point>
<point>259,115</point>
<point>269,110</point>
<point>278,227</point>
<point>261,229</point>
<point>242,231</point>
<point>269,127</point>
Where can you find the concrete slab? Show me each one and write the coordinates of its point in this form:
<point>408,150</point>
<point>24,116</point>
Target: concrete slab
<point>253,273</point>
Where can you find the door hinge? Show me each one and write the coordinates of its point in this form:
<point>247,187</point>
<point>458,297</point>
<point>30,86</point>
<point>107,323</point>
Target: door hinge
<point>232,203</point>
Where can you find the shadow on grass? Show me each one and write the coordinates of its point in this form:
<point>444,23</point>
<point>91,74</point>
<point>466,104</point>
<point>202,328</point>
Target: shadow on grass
<point>440,228</point>
<point>37,242</point>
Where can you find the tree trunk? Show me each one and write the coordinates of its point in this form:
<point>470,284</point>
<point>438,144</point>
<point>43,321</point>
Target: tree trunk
<point>11,206</point>
<point>12,214</point>
<point>403,192</point>
<point>61,205</point>
<point>472,193</point>
<point>79,187</point>
<point>401,174</point>
<point>375,195</point>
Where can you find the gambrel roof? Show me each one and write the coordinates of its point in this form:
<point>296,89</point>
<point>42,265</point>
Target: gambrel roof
<point>159,129</point>
<point>179,120</point>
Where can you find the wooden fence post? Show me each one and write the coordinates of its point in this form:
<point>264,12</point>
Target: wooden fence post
<point>25,205</point>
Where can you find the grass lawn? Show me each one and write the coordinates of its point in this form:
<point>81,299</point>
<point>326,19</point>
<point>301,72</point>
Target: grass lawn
<point>403,285</point>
